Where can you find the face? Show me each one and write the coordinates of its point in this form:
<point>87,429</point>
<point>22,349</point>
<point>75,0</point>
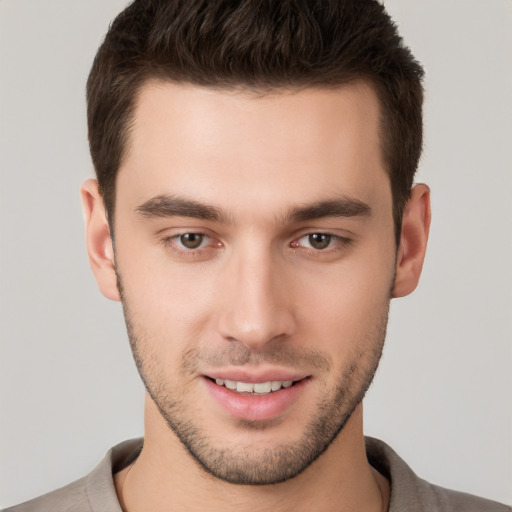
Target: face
<point>255,255</point>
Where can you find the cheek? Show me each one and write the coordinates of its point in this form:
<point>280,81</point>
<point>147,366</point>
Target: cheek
<point>168,303</point>
<point>349,304</point>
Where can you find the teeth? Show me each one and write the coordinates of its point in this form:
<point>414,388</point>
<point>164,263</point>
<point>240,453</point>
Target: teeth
<point>230,384</point>
<point>276,385</point>
<point>259,388</point>
<point>244,387</point>
<point>263,387</point>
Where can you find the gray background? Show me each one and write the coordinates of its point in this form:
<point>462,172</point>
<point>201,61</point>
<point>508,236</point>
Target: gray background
<point>69,390</point>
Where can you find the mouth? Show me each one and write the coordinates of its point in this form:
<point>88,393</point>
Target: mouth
<point>255,388</point>
<point>263,398</point>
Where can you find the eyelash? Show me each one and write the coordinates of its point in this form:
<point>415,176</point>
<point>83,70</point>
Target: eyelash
<point>173,242</point>
<point>336,244</point>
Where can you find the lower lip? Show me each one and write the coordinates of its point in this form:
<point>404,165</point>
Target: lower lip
<point>255,407</point>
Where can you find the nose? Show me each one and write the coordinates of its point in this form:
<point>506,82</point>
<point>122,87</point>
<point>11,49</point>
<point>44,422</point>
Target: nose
<point>256,308</point>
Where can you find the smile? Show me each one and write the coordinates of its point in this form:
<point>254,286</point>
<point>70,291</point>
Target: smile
<point>263,398</point>
<point>254,388</point>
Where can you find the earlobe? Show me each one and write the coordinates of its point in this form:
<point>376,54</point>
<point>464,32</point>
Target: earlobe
<point>413,241</point>
<point>98,240</point>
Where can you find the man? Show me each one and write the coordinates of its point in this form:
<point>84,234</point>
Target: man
<point>254,212</point>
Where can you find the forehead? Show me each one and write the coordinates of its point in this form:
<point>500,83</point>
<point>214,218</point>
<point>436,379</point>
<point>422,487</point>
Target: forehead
<point>217,145</point>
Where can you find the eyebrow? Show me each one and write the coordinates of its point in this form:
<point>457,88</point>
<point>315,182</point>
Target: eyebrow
<point>164,205</point>
<point>339,207</point>
<point>173,206</point>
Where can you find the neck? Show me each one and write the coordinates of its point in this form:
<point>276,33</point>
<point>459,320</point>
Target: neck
<point>165,477</point>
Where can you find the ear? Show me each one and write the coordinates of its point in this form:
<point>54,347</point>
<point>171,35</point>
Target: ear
<point>413,241</point>
<point>98,240</point>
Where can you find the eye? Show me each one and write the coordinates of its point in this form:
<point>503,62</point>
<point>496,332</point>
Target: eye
<point>192,240</point>
<point>192,245</point>
<point>317,241</point>
<point>326,245</point>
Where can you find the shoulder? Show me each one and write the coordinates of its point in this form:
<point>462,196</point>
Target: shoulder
<point>92,493</point>
<point>409,493</point>
<point>447,500</point>
<point>71,498</point>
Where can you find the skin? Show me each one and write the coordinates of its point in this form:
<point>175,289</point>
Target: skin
<point>258,296</point>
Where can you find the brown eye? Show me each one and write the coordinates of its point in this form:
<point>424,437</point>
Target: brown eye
<point>192,240</point>
<point>319,240</point>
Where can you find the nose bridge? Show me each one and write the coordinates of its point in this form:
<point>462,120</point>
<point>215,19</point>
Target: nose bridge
<point>256,307</point>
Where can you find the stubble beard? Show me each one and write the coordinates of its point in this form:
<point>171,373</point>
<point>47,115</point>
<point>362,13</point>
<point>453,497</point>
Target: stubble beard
<point>253,465</point>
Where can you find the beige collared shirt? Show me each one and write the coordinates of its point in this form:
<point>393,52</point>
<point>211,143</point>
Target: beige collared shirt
<point>96,492</point>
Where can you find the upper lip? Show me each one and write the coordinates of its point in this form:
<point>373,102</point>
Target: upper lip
<point>241,375</point>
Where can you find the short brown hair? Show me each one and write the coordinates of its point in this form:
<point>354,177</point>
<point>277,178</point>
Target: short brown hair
<point>256,44</point>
